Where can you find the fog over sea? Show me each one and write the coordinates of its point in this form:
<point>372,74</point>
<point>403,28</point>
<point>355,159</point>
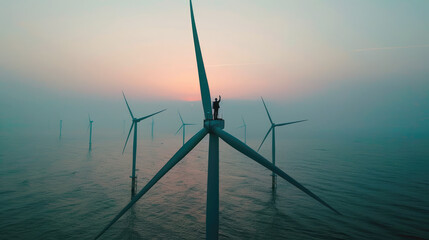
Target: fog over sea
<point>57,189</point>
<point>356,70</point>
<point>363,150</point>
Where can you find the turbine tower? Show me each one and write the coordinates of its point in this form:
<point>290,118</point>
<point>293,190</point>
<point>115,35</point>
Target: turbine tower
<point>273,151</point>
<point>90,131</point>
<point>61,127</point>
<point>183,126</point>
<point>245,129</point>
<point>214,129</point>
<point>134,125</point>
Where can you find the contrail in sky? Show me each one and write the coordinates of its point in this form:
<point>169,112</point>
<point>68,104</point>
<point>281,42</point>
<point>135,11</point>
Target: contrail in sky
<point>389,48</point>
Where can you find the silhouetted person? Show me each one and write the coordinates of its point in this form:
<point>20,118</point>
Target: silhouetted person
<point>216,107</point>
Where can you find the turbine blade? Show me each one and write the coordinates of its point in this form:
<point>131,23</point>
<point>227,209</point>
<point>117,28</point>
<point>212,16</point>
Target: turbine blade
<point>179,155</point>
<point>241,126</point>
<point>129,109</point>
<point>131,128</point>
<point>204,86</point>
<point>267,111</point>
<point>271,128</point>
<point>179,130</point>
<point>282,124</point>
<point>89,118</point>
<point>190,124</point>
<point>246,150</point>
<point>244,123</point>
<point>181,119</point>
<point>148,116</point>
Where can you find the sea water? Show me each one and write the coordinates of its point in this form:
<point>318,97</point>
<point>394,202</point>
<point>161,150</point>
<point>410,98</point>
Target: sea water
<point>58,189</point>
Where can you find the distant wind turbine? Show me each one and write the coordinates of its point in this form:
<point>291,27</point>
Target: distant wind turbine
<point>134,124</point>
<point>273,127</point>
<point>245,129</point>
<point>90,131</point>
<point>183,126</point>
<point>61,127</point>
<point>214,129</point>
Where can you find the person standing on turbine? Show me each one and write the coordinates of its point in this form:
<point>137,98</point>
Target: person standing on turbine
<point>216,107</point>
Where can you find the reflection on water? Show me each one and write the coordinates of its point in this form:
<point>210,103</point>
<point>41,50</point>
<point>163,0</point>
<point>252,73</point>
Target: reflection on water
<point>57,189</point>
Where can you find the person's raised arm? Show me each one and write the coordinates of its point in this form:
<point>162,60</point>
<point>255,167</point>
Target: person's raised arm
<point>219,98</point>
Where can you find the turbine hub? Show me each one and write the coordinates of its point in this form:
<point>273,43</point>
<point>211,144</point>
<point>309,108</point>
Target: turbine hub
<point>210,124</point>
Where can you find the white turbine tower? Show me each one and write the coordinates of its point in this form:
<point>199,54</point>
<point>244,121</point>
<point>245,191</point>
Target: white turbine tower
<point>272,128</point>
<point>245,129</point>
<point>183,126</point>
<point>214,129</point>
<point>134,124</point>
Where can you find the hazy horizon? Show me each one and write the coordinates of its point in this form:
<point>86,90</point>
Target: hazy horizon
<point>349,67</point>
<point>373,110</point>
<point>356,70</point>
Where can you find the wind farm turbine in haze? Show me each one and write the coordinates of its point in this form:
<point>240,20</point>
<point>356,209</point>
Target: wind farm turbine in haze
<point>90,131</point>
<point>245,129</point>
<point>215,130</point>
<point>184,127</point>
<point>134,125</point>
<point>273,128</point>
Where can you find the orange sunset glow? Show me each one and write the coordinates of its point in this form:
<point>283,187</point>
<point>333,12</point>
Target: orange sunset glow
<point>201,119</point>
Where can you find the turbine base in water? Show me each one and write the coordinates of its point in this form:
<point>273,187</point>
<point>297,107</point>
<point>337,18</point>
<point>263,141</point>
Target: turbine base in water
<point>274,181</point>
<point>133,185</point>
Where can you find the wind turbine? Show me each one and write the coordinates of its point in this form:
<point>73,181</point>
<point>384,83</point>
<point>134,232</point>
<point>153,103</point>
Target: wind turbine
<point>245,129</point>
<point>183,126</point>
<point>273,128</point>
<point>214,129</point>
<point>90,131</point>
<point>61,127</point>
<point>134,124</point>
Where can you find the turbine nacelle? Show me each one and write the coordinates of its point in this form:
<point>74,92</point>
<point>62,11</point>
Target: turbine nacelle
<point>287,123</point>
<point>274,125</point>
<point>244,123</point>
<point>135,120</point>
<point>183,126</point>
<point>211,124</point>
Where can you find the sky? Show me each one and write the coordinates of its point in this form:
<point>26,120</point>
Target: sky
<point>363,61</point>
